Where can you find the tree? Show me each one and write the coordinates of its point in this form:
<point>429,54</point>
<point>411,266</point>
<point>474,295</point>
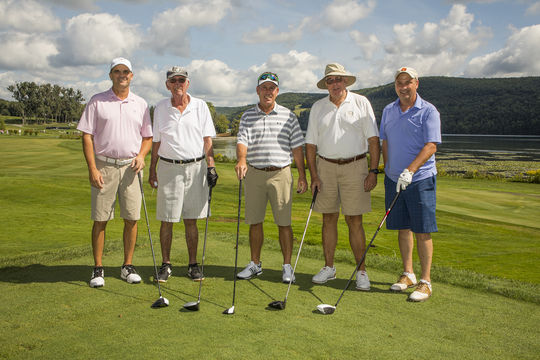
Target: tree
<point>234,126</point>
<point>221,124</point>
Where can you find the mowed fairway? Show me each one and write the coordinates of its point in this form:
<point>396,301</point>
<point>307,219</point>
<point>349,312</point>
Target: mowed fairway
<point>488,245</point>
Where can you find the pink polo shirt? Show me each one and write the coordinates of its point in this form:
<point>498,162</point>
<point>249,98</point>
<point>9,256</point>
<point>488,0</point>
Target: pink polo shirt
<point>118,126</point>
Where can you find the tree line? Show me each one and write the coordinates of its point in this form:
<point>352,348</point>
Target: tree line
<point>44,102</point>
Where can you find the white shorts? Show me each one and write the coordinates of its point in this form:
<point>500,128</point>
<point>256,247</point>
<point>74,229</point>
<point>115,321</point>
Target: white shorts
<point>182,191</point>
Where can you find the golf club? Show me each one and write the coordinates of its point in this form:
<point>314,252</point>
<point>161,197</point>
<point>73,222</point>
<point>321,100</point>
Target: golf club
<point>161,302</point>
<point>329,309</point>
<point>280,305</point>
<point>230,310</point>
<point>194,305</point>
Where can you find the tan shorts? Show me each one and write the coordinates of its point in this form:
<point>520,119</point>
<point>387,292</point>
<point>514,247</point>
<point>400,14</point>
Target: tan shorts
<point>120,180</point>
<point>343,185</point>
<point>263,186</point>
<point>182,191</point>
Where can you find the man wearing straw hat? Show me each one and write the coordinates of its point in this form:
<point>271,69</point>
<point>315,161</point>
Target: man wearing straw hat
<point>341,130</point>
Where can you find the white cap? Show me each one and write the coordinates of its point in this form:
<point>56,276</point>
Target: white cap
<point>119,61</point>
<point>407,70</point>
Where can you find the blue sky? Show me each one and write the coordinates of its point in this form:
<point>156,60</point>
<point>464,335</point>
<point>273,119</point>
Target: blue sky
<point>225,44</point>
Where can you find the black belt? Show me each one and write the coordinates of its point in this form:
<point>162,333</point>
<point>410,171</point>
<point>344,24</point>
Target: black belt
<point>271,168</point>
<point>344,161</point>
<point>182,161</point>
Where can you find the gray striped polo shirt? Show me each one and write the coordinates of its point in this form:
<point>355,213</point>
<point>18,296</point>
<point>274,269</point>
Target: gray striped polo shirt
<point>269,137</point>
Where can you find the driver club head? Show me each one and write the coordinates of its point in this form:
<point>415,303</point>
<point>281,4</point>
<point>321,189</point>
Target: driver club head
<point>159,303</point>
<point>229,311</point>
<point>326,309</point>
<point>278,305</point>
<point>192,305</point>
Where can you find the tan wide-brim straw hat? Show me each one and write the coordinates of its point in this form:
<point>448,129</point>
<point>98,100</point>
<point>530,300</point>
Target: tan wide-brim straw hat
<point>336,69</point>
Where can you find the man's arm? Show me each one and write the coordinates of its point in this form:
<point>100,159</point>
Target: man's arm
<point>374,154</point>
<point>94,175</point>
<point>138,163</point>
<point>298,155</point>
<point>152,178</point>
<point>427,151</point>
<point>241,163</point>
<point>311,158</point>
<point>209,151</point>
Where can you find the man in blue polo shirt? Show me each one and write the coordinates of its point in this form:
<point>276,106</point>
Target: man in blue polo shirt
<point>410,131</point>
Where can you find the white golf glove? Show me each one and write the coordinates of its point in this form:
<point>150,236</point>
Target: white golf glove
<point>405,178</point>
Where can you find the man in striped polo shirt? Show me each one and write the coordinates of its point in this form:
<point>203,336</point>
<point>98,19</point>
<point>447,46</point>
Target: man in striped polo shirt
<point>269,137</point>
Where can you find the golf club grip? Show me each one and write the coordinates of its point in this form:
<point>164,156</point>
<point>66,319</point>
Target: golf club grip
<point>314,197</point>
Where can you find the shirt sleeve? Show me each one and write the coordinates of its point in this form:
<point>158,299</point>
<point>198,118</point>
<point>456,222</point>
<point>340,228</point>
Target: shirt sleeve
<point>157,113</point>
<point>312,133</point>
<point>87,123</point>
<point>208,123</point>
<point>432,126</point>
<point>146,129</point>
<point>242,136</point>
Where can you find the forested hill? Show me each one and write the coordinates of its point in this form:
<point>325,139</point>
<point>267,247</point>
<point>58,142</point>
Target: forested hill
<point>505,106</point>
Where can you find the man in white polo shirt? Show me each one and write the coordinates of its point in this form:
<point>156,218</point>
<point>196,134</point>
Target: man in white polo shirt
<point>183,132</point>
<point>269,136</point>
<point>340,132</point>
<point>117,135</point>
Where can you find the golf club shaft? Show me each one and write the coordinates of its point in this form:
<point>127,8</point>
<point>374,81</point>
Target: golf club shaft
<point>367,247</point>
<point>204,243</point>
<point>149,233</point>
<point>302,242</point>
<point>237,234</point>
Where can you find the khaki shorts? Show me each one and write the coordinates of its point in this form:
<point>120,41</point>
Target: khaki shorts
<point>343,185</point>
<point>182,191</point>
<point>263,186</point>
<point>120,180</point>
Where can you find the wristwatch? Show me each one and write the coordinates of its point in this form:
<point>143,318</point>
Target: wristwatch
<point>375,171</point>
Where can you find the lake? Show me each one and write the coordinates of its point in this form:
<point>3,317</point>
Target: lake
<point>522,148</point>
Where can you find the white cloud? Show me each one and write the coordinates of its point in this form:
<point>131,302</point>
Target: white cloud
<point>25,51</point>
<point>519,57</point>
<point>437,49</point>
<point>169,31</point>
<point>342,14</point>
<point>268,35</point>
<point>534,9</point>
<point>92,39</point>
<point>369,44</point>
<point>27,16</point>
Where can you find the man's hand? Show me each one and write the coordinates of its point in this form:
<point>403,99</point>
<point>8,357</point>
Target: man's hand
<point>370,182</point>
<point>212,176</point>
<point>137,164</point>
<point>241,169</point>
<point>96,179</point>
<point>302,185</point>
<point>405,178</point>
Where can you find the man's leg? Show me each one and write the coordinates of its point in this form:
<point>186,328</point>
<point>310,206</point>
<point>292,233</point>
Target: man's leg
<point>256,239</point>
<point>192,239</point>
<point>329,237</point>
<point>130,239</point>
<point>424,245</point>
<point>98,241</point>
<point>357,238</point>
<point>406,245</point>
<point>286,242</point>
<point>165,238</point>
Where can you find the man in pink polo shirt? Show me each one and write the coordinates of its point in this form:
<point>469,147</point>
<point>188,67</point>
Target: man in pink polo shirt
<point>117,135</point>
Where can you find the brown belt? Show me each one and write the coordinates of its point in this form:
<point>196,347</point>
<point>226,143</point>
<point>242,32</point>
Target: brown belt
<point>344,161</point>
<point>271,168</point>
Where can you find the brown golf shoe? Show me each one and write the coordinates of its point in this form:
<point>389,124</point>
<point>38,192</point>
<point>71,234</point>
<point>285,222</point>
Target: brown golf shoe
<point>422,292</point>
<point>405,281</point>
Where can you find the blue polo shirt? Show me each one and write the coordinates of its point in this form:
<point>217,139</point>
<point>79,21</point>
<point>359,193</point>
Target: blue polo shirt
<point>406,134</point>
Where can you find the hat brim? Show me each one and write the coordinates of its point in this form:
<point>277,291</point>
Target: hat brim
<point>349,80</point>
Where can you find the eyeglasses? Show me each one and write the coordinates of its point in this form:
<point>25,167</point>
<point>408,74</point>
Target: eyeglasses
<point>269,75</point>
<point>123,72</point>
<point>330,81</point>
<point>179,80</point>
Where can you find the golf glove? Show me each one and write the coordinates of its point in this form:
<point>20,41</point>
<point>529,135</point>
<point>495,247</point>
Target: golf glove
<point>212,176</point>
<point>405,178</point>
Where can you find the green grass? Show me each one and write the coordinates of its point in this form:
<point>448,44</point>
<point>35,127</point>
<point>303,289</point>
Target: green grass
<point>487,246</point>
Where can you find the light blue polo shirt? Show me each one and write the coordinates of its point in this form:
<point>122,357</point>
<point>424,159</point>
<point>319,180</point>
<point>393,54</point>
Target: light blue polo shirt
<point>406,134</point>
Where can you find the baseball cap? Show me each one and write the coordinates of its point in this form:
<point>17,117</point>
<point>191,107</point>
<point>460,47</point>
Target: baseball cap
<point>412,73</point>
<point>121,60</point>
<point>177,71</point>
<point>268,76</point>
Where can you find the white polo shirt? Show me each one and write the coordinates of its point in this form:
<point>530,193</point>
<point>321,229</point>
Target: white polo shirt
<point>182,134</point>
<point>341,132</point>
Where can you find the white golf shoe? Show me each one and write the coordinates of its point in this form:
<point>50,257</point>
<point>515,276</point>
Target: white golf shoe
<point>326,273</point>
<point>128,273</point>
<point>362,281</point>
<point>422,292</point>
<point>405,281</point>
<point>288,274</point>
<point>97,279</point>
<point>250,271</point>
